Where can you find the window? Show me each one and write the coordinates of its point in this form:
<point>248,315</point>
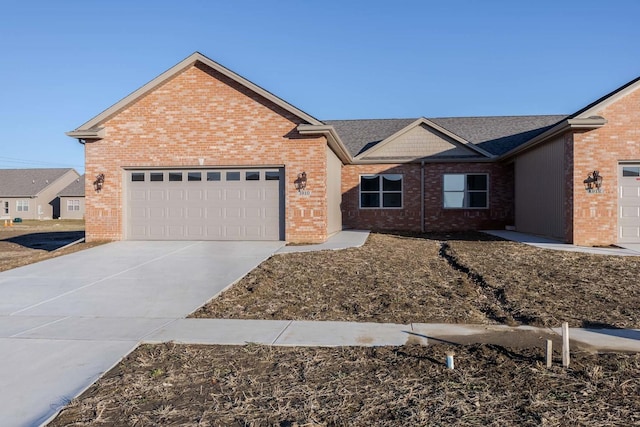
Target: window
<point>252,176</point>
<point>194,176</point>
<point>381,191</point>
<point>233,176</point>
<point>175,176</point>
<point>631,171</point>
<point>6,208</point>
<point>466,191</point>
<point>137,176</point>
<point>272,176</point>
<point>22,205</point>
<point>213,176</point>
<point>156,176</point>
<point>73,205</point>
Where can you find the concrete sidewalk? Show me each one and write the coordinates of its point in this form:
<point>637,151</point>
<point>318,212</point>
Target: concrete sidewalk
<point>334,334</point>
<point>556,245</point>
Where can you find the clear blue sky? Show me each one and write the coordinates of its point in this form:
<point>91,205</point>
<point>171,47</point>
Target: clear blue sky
<point>65,61</point>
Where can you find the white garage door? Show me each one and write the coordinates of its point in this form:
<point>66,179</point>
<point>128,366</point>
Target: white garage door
<point>629,203</point>
<point>204,204</point>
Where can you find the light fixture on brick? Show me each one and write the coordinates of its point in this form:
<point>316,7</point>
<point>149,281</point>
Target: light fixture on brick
<point>301,182</point>
<point>99,182</point>
<point>593,183</point>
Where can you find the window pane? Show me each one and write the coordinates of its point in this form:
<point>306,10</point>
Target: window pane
<point>252,176</point>
<point>194,176</point>
<point>454,182</point>
<point>631,171</point>
<point>392,182</point>
<point>233,176</point>
<point>476,182</point>
<point>213,176</point>
<point>369,183</point>
<point>272,176</point>
<point>137,176</point>
<point>156,176</point>
<point>478,200</point>
<point>454,199</point>
<point>392,200</point>
<point>175,176</point>
<point>369,200</point>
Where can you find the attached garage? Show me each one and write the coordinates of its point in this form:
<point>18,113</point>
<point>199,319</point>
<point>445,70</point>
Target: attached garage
<point>629,203</point>
<point>204,204</point>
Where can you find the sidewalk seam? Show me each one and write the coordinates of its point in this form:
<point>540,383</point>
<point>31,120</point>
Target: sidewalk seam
<point>281,332</point>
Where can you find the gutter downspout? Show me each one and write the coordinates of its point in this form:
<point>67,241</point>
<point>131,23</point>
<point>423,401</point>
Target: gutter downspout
<point>422,196</point>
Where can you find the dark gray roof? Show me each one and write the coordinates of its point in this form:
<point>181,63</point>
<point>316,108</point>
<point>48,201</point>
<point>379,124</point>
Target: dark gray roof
<point>75,189</point>
<point>27,182</point>
<point>360,135</point>
<point>497,135</point>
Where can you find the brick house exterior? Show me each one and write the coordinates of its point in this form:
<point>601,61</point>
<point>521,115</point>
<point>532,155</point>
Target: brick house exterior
<point>200,120</point>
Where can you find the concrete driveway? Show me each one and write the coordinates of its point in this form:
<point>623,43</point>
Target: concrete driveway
<point>67,320</point>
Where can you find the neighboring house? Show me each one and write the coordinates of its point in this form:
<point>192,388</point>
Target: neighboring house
<point>72,200</point>
<point>202,153</point>
<point>32,193</point>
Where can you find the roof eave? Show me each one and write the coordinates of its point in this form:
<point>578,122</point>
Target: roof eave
<point>334,141</point>
<point>86,134</point>
<point>588,123</point>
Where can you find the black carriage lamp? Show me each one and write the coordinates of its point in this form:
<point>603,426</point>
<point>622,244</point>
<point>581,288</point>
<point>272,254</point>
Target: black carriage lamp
<point>99,182</point>
<point>593,182</point>
<point>301,182</point>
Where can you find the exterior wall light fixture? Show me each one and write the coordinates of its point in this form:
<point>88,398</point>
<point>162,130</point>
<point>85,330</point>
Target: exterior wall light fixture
<point>98,183</point>
<point>301,182</point>
<point>593,183</point>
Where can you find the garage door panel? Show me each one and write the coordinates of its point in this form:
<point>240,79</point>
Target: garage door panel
<point>629,203</point>
<point>223,205</point>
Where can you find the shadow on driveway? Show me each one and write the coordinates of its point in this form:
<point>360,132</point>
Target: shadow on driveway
<point>47,241</point>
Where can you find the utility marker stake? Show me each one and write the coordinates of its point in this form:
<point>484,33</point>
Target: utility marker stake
<point>549,357</point>
<point>565,344</point>
<point>450,363</point>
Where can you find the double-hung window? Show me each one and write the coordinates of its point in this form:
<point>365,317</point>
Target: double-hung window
<point>470,191</point>
<point>381,191</point>
<point>73,205</point>
<point>22,205</point>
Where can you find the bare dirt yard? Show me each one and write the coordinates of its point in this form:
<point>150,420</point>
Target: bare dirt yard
<point>32,241</point>
<point>455,278</point>
<point>255,385</point>
<point>470,277</point>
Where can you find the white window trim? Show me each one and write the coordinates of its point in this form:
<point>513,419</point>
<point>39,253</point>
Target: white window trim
<point>381,192</point>
<point>21,205</point>
<point>467,191</point>
<point>73,205</point>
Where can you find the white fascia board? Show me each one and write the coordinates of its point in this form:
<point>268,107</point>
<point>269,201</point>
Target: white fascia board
<point>334,141</point>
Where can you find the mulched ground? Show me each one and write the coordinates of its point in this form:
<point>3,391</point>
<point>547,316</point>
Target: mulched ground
<point>451,278</point>
<point>386,386</point>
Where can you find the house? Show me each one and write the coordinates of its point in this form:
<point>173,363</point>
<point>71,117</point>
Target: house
<point>33,193</point>
<point>202,153</point>
<point>72,200</point>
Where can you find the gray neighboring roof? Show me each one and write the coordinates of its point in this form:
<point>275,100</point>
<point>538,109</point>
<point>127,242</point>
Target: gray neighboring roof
<point>496,135</point>
<point>27,182</point>
<point>360,135</point>
<point>75,189</point>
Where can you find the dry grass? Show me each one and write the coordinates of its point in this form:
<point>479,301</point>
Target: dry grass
<point>390,386</point>
<point>456,278</point>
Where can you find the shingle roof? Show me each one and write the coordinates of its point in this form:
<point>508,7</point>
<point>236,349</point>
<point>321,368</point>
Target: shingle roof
<point>75,189</point>
<point>27,182</point>
<point>497,135</point>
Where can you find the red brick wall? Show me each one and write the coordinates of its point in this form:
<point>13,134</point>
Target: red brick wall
<point>499,214</point>
<point>201,114</point>
<point>595,216</point>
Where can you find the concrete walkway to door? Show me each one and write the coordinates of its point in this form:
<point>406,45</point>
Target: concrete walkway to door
<point>66,321</point>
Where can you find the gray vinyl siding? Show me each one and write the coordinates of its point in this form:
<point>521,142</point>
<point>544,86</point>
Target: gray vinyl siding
<point>334,192</point>
<point>65,213</point>
<point>539,190</point>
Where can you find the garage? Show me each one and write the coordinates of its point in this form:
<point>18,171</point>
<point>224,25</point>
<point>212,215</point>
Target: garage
<point>204,204</point>
<point>629,203</point>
